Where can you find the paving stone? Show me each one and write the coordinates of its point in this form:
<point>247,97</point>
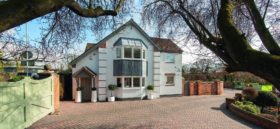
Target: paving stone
<point>193,112</point>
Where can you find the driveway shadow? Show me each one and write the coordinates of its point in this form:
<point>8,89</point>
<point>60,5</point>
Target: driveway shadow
<point>231,115</point>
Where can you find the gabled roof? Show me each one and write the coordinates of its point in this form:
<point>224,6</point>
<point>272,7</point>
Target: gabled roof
<point>86,70</point>
<point>89,46</point>
<point>167,45</point>
<point>130,22</point>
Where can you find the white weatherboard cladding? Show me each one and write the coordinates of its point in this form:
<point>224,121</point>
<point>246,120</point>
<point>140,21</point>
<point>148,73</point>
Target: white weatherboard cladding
<point>103,56</point>
<point>176,68</point>
<point>127,32</point>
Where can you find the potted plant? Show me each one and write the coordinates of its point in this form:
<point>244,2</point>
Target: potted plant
<point>150,89</point>
<point>111,88</point>
<point>93,94</point>
<point>79,95</point>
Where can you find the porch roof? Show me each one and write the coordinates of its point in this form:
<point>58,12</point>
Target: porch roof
<point>85,70</point>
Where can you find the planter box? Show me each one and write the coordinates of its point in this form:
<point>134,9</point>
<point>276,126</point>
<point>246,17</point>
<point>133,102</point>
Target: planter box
<point>151,96</point>
<point>111,99</point>
<point>78,97</point>
<point>229,101</point>
<point>94,96</point>
<point>260,121</point>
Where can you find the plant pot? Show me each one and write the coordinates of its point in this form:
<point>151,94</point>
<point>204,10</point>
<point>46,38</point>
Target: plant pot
<point>93,96</point>
<point>111,99</point>
<point>151,96</point>
<point>78,97</point>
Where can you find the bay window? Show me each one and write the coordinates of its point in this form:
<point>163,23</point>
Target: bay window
<point>131,82</point>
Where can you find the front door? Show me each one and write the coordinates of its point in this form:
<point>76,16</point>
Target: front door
<point>86,89</point>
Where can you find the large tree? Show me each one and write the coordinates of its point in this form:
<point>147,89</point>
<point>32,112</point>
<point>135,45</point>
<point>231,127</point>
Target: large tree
<point>62,24</point>
<point>16,12</point>
<point>225,27</point>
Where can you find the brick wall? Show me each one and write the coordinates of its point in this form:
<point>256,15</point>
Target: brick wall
<point>206,88</point>
<point>56,92</point>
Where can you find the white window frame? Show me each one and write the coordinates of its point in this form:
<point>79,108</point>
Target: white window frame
<point>167,84</point>
<point>132,53</point>
<point>132,82</point>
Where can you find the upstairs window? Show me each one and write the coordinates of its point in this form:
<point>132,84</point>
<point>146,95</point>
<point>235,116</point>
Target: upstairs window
<point>119,52</point>
<point>127,52</point>
<point>137,53</point>
<point>144,54</point>
<point>169,58</point>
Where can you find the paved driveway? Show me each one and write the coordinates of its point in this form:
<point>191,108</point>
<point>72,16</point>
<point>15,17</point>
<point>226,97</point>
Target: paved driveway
<point>195,112</point>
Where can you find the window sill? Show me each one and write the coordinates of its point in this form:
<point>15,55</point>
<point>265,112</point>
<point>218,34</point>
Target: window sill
<point>132,88</point>
<point>169,84</point>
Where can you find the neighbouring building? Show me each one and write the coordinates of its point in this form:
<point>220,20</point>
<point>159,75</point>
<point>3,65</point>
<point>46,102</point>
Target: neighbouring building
<point>132,60</point>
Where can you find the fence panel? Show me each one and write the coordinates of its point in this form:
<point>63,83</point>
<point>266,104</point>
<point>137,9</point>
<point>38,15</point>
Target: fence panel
<point>24,102</point>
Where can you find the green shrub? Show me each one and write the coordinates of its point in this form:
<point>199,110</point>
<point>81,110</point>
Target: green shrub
<point>265,99</point>
<point>249,93</point>
<point>150,87</point>
<point>248,107</point>
<point>16,78</point>
<point>112,88</point>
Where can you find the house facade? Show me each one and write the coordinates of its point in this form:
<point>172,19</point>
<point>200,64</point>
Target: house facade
<point>132,60</point>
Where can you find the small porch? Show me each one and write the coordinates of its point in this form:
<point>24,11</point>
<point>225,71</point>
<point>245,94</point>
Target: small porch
<point>85,79</point>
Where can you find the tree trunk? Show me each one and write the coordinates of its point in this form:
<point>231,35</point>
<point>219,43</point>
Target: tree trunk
<point>261,64</point>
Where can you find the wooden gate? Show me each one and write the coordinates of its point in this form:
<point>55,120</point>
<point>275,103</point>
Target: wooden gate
<point>24,102</point>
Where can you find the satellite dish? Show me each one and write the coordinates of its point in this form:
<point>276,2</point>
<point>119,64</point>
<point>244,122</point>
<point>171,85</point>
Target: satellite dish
<point>27,53</point>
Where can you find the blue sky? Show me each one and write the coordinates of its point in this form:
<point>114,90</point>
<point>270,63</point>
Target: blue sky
<point>33,30</point>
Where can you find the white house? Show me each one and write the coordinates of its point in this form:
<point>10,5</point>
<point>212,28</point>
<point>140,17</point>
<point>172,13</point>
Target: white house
<point>132,60</point>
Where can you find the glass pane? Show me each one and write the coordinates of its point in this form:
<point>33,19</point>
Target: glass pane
<point>127,82</point>
<point>119,52</point>
<point>170,80</point>
<point>144,56</point>
<point>169,58</point>
<point>119,82</point>
<point>127,52</point>
<point>136,82</point>
<point>137,53</point>
<point>143,81</point>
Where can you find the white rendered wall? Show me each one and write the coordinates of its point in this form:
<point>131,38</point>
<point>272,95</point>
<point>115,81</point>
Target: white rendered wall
<point>91,61</point>
<point>128,32</point>
<point>171,68</point>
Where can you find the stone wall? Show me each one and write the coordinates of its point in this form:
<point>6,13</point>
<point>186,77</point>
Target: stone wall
<point>206,88</point>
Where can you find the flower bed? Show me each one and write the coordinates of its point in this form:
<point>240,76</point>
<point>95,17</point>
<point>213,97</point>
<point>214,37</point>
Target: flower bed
<point>258,120</point>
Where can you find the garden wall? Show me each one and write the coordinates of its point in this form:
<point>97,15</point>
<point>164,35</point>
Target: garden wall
<point>206,88</point>
<point>260,121</point>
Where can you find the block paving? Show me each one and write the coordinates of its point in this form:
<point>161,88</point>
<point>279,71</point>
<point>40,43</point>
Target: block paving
<point>188,112</point>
